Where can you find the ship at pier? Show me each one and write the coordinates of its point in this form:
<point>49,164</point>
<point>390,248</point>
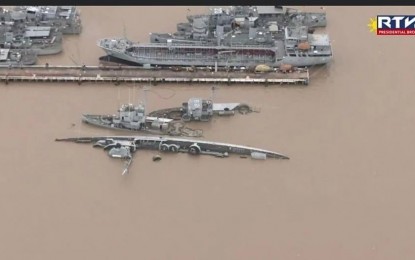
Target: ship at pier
<point>17,57</point>
<point>235,37</point>
<point>38,28</point>
<point>17,32</point>
<point>66,18</point>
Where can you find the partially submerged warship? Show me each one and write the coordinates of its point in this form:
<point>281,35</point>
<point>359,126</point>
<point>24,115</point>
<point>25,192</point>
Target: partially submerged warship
<point>16,57</point>
<point>198,109</point>
<point>236,37</point>
<point>133,118</point>
<point>123,147</point>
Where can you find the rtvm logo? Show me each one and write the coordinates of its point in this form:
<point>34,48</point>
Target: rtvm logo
<point>393,25</point>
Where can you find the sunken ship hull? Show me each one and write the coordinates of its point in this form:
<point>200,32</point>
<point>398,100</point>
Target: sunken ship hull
<point>176,145</point>
<point>123,147</point>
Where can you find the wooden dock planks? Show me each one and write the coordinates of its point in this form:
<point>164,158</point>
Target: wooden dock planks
<point>124,74</point>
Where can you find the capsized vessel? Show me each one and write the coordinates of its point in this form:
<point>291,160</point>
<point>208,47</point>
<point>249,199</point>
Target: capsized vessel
<point>124,147</point>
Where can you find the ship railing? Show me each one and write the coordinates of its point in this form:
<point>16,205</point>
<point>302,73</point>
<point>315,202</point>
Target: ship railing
<point>297,51</point>
<point>238,46</point>
<point>207,59</point>
<point>191,45</point>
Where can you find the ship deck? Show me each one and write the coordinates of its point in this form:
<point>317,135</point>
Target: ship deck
<point>130,74</point>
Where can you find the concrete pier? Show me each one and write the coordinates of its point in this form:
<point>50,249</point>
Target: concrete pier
<point>131,74</point>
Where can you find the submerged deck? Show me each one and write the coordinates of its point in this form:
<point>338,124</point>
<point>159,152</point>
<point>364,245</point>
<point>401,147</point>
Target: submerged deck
<point>131,74</point>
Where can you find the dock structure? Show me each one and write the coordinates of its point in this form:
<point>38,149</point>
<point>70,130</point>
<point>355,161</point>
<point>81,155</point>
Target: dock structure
<point>131,74</point>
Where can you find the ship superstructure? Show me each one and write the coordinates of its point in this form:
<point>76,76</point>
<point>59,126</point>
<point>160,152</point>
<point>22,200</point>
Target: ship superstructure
<point>228,38</point>
<point>65,18</point>
<point>39,28</point>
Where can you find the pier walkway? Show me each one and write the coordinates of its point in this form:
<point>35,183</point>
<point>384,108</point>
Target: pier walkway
<point>130,74</point>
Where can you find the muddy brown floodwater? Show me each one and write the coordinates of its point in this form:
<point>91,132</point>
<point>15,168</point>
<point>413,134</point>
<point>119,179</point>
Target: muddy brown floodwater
<point>347,192</point>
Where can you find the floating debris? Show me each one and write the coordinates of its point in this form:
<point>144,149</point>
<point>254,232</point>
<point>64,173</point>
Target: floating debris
<point>156,158</point>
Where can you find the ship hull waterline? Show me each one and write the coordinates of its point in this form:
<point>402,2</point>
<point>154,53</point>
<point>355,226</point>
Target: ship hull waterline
<point>294,61</point>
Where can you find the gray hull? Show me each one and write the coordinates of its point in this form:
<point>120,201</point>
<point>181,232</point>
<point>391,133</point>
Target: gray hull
<point>72,30</point>
<point>16,63</point>
<point>106,122</point>
<point>184,145</point>
<point>49,47</point>
<point>49,50</point>
<point>28,57</point>
<point>295,61</point>
<point>232,39</point>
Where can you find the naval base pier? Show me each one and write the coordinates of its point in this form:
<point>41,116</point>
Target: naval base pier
<point>132,74</point>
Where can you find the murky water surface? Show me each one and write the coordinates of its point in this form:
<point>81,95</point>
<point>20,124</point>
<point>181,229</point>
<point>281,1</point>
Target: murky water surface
<point>347,192</point>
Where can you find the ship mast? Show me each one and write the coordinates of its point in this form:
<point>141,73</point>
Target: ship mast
<point>145,89</point>
<point>213,93</point>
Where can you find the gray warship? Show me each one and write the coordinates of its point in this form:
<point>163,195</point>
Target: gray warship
<point>66,18</point>
<point>282,15</point>
<point>123,147</point>
<point>133,118</point>
<point>229,38</point>
<point>17,57</point>
<point>15,33</point>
